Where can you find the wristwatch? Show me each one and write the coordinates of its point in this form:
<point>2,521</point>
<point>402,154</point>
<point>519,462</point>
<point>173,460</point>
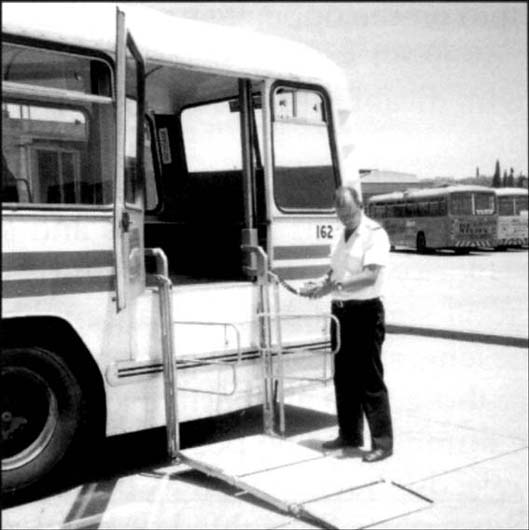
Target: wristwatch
<point>339,287</point>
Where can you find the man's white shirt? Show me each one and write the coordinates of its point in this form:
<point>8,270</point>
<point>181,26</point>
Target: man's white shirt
<point>368,245</point>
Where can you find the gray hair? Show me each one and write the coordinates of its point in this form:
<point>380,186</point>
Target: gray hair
<point>343,191</point>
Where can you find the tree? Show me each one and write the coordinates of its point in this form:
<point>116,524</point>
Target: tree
<point>504,180</point>
<point>510,178</point>
<point>496,179</point>
<point>521,181</point>
<point>477,172</point>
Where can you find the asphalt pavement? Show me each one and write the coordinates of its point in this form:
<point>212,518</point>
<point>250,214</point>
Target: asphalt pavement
<point>459,406</point>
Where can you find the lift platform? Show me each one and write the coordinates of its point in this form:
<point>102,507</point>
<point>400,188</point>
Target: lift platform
<point>324,490</point>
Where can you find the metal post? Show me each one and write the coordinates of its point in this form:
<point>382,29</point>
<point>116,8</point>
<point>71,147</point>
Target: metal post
<point>169,362</point>
<point>169,367</point>
<point>280,367</point>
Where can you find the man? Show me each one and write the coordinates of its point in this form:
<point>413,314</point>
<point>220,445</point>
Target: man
<point>355,282</point>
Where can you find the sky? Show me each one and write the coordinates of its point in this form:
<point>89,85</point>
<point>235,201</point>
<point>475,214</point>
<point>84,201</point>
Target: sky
<point>439,89</point>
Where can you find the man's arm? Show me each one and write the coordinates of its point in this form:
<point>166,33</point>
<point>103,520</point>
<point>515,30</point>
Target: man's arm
<point>365,278</point>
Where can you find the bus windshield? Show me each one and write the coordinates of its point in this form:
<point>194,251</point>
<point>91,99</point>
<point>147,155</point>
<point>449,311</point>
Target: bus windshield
<point>476,203</point>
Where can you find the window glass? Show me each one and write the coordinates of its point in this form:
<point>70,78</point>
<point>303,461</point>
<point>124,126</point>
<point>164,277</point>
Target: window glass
<point>212,138</point>
<point>506,205</point>
<point>151,191</point>
<point>51,69</point>
<point>422,209</point>
<point>484,203</point>
<point>521,205</point>
<point>304,177</point>
<point>461,204</point>
<point>133,182</point>
<point>54,154</point>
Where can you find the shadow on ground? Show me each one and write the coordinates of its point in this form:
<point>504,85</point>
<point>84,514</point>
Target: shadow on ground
<point>140,452</point>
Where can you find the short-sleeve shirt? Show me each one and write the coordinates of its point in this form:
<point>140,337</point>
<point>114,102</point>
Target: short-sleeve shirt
<point>368,245</point>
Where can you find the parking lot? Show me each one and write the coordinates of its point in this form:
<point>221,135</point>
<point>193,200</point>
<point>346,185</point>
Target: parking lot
<point>460,408</point>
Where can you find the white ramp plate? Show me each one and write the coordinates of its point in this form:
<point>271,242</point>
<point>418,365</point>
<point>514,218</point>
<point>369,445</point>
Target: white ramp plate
<point>310,480</point>
<point>366,506</point>
<point>247,455</point>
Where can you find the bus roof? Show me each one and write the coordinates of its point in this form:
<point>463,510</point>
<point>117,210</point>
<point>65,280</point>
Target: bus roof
<point>510,191</point>
<point>427,192</point>
<point>167,39</point>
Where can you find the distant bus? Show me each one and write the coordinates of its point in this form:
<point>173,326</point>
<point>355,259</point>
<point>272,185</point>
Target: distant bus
<point>512,229</point>
<point>457,217</point>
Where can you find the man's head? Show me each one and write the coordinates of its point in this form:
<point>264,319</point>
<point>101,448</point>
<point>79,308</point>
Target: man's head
<point>348,206</point>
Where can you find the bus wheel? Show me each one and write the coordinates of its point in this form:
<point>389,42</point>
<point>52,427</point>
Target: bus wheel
<point>421,243</point>
<point>41,415</point>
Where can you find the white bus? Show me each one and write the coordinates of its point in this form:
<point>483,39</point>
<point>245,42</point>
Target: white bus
<point>459,217</point>
<point>125,132</point>
<point>512,229</point>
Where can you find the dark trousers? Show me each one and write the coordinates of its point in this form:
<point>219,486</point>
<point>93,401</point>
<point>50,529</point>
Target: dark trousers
<point>359,375</point>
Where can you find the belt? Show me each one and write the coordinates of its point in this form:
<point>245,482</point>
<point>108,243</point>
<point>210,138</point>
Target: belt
<point>351,303</point>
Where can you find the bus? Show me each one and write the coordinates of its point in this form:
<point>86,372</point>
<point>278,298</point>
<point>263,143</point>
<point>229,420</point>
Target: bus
<point>512,229</point>
<point>142,151</point>
<point>458,217</point>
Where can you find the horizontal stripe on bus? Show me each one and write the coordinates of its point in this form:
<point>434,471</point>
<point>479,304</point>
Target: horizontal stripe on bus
<point>302,251</point>
<point>56,273</point>
<point>12,261</point>
<point>124,373</point>
<point>57,286</point>
<point>301,273</point>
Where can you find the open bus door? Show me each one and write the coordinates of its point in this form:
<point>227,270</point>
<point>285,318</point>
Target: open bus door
<point>128,186</point>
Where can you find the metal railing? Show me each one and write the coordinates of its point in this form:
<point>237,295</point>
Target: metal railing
<point>169,365</point>
<point>182,359</point>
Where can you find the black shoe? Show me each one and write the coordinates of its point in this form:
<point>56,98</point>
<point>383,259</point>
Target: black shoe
<point>338,443</point>
<point>376,455</point>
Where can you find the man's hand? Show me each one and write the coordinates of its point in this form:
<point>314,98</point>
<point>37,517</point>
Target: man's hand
<point>317,290</point>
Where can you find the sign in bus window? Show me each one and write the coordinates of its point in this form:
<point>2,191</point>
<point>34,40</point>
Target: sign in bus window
<point>304,176</point>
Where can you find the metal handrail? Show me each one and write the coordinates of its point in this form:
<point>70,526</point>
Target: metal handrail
<point>231,365</point>
<point>294,316</point>
<point>169,366</point>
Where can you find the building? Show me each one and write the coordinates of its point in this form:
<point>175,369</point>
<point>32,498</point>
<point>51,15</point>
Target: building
<point>376,181</point>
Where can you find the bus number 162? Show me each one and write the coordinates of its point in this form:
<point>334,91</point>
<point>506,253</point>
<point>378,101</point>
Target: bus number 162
<point>324,231</point>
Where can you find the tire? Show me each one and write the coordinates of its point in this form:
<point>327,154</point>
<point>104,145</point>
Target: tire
<point>461,251</point>
<point>42,414</point>
<point>421,243</point>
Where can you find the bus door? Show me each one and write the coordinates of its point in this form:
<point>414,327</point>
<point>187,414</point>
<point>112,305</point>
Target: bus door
<point>301,176</point>
<point>129,188</point>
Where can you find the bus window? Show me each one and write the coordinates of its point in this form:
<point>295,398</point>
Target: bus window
<point>133,166</point>
<point>57,144</point>
<point>521,205</point>
<point>151,187</point>
<point>442,207</point>
<point>304,177</point>
<point>51,69</point>
<point>48,148</point>
<point>506,205</point>
<point>422,209</point>
<point>484,203</point>
<point>411,209</point>
<point>212,138</point>
<point>461,204</point>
